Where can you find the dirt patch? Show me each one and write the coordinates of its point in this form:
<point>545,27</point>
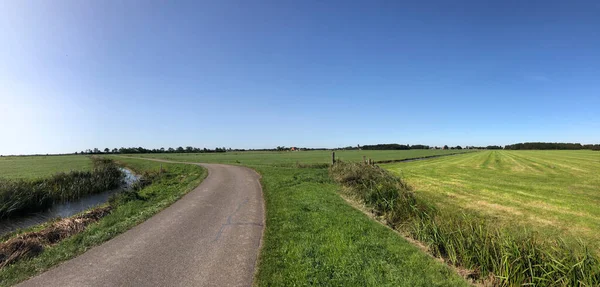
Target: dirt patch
<point>486,206</point>
<point>30,244</point>
<point>554,208</point>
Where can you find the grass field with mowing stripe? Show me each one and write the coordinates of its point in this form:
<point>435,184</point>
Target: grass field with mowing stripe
<point>30,167</point>
<point>554,192</point>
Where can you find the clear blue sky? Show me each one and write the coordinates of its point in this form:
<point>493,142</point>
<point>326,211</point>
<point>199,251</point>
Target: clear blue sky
<point>255,74</point>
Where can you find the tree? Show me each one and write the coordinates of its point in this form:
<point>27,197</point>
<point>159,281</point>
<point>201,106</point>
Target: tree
<point>180,149</point>
<point>493,147</point>
<point>162,149</point>
<point>544,145</point>
<point>171,149</point>
<point>115,150</point>
<point>445,147</point>
<point>419,146</point>
<point>458,147</point>
<point>106,150</point>
<point>386,147</point>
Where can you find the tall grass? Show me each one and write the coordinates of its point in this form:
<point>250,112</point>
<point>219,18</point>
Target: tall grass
<point>510,256</point>
<point>22,195</point>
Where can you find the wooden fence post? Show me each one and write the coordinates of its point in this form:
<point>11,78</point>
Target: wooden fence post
<point>332,158</point>
<point>364,159</point>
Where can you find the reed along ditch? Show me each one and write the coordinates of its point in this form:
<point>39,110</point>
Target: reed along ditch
<point>26,203</point>
<point>491,254</point>
<point>37,249</point>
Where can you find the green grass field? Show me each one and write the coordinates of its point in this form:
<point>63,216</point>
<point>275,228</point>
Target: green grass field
<point>554,192</point>
<point>287,158</point>
<point>41,166</point>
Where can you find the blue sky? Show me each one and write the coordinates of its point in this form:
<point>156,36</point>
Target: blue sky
<point>256,74</point>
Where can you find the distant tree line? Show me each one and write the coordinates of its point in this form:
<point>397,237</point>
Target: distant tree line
<point>493,147</point>
<point>188,149</point>
<point>386,147</point>
<point>393,147</point>
<point>405,147</point>
<point>592,146</point>
<point>551,146</point>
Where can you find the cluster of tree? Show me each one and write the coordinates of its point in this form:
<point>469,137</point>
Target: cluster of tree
<point>180,149</point>
<point>284,148</point>
<point>188,149</point>
<point>544,145</point>
<point>484,147</point>
<point>493,147</point>
<point>592,146</point>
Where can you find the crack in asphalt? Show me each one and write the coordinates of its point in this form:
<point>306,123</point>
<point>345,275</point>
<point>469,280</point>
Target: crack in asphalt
<point>229,223</point>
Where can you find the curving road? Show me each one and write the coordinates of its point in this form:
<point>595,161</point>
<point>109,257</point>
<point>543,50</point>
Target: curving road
<point>210,237</point>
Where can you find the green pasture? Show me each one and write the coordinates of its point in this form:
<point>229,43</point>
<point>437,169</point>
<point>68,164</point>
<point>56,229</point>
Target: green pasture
<point>554,192</point>
<point>30,167</point>
<point>289,158</point>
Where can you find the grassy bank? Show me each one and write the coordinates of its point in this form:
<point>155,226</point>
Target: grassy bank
<point>25,195</point>
<point>554,193</point>
<point>513,257</point>
<point>313,237</point>
<point>175,181</point>
<point>33,167</point>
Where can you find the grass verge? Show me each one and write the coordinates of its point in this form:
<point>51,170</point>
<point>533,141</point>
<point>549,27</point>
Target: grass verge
<point>176,180</point>
<point>512,257</point>
<point>313,237</point>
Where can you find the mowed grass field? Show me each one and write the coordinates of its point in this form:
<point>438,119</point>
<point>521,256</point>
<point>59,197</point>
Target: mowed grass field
<point>554,192</point>
<point>288,158</point>
<point>30,167</point>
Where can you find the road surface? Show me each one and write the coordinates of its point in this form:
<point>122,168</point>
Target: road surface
<point>210,237</point>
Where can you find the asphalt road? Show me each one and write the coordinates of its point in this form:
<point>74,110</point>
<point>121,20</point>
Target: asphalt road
<point>210,237</point>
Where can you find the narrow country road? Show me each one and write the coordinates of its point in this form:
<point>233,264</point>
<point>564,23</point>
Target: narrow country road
<point>210,237</point>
